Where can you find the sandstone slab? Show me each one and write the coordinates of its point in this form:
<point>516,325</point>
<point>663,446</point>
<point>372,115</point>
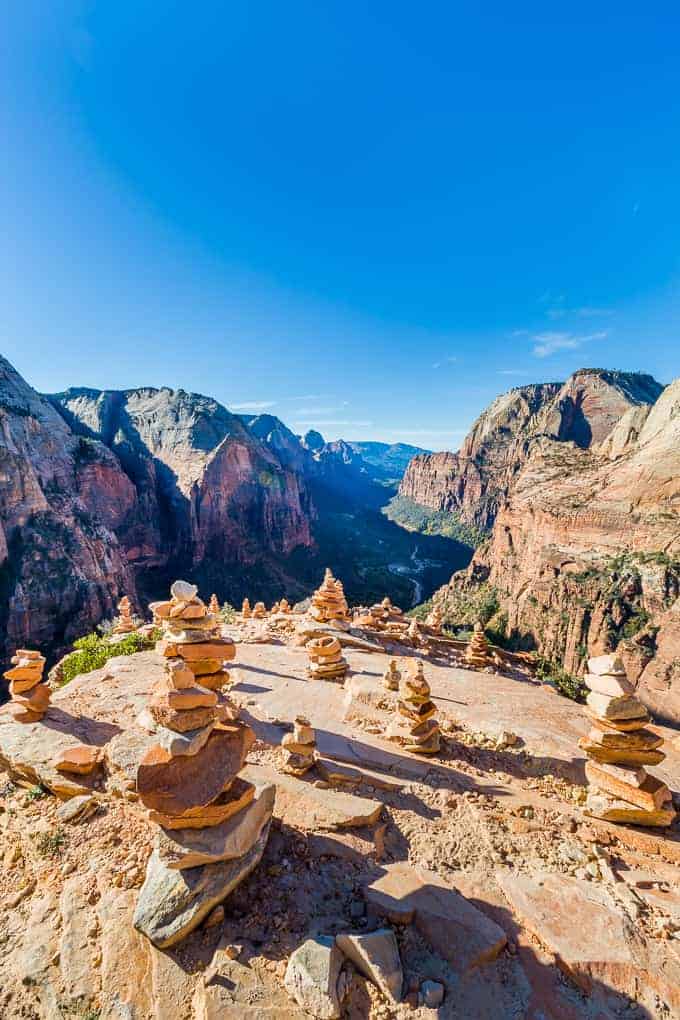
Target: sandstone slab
<point>173,903</point>
<point>190,848</point>
<point>376,955</point>
<point>453,926</point>
<point>649,795</point>
<point>304,806</point>
<point>311,977</point>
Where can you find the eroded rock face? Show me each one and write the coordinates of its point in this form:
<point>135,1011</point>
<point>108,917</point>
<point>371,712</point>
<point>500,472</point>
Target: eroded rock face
<point>584,551</point>
<point>475,481</point>
<point>62,497</point>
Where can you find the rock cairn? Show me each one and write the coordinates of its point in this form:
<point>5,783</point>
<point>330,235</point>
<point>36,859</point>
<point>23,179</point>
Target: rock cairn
<point>413,633</point>
<point>300,746</point>
<point>213,824</point>
<point>434,620</point>
<point>618,747</point>
<point>326,660</point>
<point>415,726</point>
<point>30,697</point>
<point>213,605</point>
<point>192,634</point>
<point>477,652</point>
<point>329,604</point>
<point>276,608</point>
<point>246,611</point>
<point>392,676</point>
<point>259,611</point>
<point>125,624</point>
<point>284,607</point>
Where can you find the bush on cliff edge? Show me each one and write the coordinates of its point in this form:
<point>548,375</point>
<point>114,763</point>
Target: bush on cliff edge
<point>94,650</point>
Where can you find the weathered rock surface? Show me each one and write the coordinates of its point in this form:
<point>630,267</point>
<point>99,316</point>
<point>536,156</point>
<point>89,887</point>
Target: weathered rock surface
<point>303,805</point>
<point>376,955</point>
<point>312,977</point>
<point>459,932</point>
<point>172,903</point>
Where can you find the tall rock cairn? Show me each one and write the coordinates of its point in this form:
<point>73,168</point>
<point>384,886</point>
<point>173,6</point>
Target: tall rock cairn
<point>477,652</point>
<point>415,726</point>
<point>246,611</point>
<point>213,605</point>
<point>300,747</point>
<point>618,747</point>
<point>328,603</point>
<point>212,823</point>
<point>30,697</point>
<point>191,633</point>
<point>125,624</point>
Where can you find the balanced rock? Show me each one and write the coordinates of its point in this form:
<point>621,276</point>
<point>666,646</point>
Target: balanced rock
<point>125,623</point>
<point>415,726</point>
<point>300,746</point>
<point>391,677</point>
<point>326,661</point>
<point>477,652</point>
<point>30,696</point>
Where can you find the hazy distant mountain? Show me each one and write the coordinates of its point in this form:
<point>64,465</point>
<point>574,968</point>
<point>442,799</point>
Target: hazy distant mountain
<point>391,459</point>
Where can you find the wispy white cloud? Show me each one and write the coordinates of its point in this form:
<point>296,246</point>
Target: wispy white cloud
<point>253,405</point>
<point>549,343</point>
<point>319,412</point>
<point>449,360</point>
<point>512,371</point>
<point>592,311</point>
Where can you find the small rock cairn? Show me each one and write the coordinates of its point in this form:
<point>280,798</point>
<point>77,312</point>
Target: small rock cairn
<point>246,611</point>
<point>329,604</point>
<point>300,746</point>
<point>415,726</point>
<point>276,608</point>
<point>125,623</point>
<point>284,607</point>
<point>618,747</point>
<point>326,661</point>
<point>477,652</point>
<point>391,676</point>
<point>30,697</point>
<point>213,605</point>
<point>434,620</point>
<point>192,634</point>
<point>259,611</point>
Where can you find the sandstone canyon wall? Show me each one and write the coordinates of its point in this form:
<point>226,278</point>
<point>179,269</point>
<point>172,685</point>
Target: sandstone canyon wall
<point>584,552</point>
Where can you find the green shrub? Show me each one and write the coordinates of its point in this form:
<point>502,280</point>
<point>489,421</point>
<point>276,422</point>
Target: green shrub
<point>94,650</point>
<point>228,613</point>
<point>50,844</point>
<point>553,673</point>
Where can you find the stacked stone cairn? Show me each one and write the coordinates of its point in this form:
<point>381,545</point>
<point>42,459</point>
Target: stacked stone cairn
<point>326,660</point>
<point>276,608</point>
<point>125,624</point>
<point>284,607</point>
<point>213,824</point>
<point>329,604</point>
<point>413,633</point>
<point>415,726</point>
<point>392,677</point>
<point>434,620</point>
<point>213,605</point>
<point>30,697</point>
<point>477,652</point>
<point>192,634</point>
<point>300,747</point>
<point>618,747</point>
<point>259,611</point>
<point>246,611</point>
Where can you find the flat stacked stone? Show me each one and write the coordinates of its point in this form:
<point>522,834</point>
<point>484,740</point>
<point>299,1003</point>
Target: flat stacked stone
<point>192,634</point>
<point>213,824</point>
<point>415,726</point>
<point>618,747</point>
<point>125,624</point>
<point>213,605</point>
<point>326,661</point>
<point>259,611</point>
<point>328,603</point>
<point>246,611</point>
<point>477,652</point>
<point>30,697</point>
<point>300,746</point>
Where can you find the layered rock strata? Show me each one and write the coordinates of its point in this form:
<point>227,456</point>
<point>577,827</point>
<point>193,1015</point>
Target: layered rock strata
<point>618,747</point>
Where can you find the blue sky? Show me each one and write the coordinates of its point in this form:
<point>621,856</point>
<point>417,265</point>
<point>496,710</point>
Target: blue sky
<point>367,218</point>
